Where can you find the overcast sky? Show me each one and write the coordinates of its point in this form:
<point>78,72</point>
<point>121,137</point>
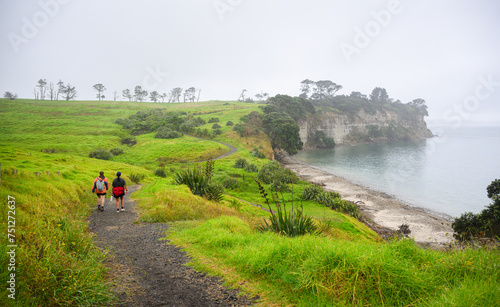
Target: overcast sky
<point>446,52</point>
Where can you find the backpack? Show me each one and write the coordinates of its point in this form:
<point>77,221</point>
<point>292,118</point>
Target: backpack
<point>100,186</point>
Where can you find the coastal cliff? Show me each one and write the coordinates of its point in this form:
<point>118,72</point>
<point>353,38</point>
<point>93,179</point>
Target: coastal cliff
<point>363,127</point>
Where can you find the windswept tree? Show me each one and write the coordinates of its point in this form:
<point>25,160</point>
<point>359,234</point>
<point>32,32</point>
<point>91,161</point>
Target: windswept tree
<point>190,94</point>
<point>126,94</point>
<point>175,94</point>
<point>42,87</point>
<point>242,95</point>
<point>163,96</point>
<point>115,95</point>
<point>154,96</point>
<point>69,92</point>
<point>100,90</point>
<point>325,89</point>
<point>139,93</point>
<point>52,91</point>
<point>60,88</point>
<point>306,87</point>
<point>10,95</point>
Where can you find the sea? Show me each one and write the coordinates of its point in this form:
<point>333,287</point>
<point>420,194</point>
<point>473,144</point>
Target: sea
<point>447,174</point>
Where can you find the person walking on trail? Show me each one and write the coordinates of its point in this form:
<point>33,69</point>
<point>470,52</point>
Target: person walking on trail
<point>119,190</point>
<point>100,187</point>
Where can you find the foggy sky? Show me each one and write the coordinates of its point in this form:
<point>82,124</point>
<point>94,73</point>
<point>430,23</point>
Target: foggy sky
<point>446,52</point>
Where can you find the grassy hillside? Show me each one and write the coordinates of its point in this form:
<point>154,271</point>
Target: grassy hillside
<point>57,262</point>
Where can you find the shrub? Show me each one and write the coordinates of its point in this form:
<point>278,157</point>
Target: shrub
<point>251,168</point>
<point>216,126</point>
<point>199,182</point>
<point>130,141</point>
<point>230,183</point>
<point>160,172</point>
<point>312,192</point>
<point>116,151</point>
<point>217,132</point>
<point>273,171</point>
<point>136,178</point>
<point>256,153</point>
<point>280,187</point>
<point>485,224</point>
<point>229,123</point>
<point>100,154</point>
<point>240,163</point>
<point>167,133</point>
<point>213,120</point>
<point>289,223</point>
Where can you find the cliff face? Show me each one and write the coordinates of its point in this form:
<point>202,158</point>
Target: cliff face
<point>364,127</point>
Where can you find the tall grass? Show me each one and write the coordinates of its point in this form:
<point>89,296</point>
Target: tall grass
<point>321,271</point>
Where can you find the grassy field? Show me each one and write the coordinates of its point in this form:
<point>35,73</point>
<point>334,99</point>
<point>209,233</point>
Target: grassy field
<point>57,262</point>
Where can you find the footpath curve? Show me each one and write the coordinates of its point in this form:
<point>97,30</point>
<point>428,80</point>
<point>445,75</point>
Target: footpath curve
<point>149,272</point>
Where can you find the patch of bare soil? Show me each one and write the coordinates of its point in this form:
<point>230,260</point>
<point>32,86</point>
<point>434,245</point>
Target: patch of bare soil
<point>150,272</point>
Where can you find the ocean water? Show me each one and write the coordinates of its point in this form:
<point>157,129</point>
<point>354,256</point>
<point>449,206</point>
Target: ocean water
<point>446,174</point>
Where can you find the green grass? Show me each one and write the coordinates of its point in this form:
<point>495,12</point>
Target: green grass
<point>324,271</point>
<point>347,265</point>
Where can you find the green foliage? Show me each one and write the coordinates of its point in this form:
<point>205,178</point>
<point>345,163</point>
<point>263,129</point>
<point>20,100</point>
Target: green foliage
<point>167,133</point>
<point>217,132</point>
<point>290,223</point>
<point>320,140</point>
<point>283,131</point>
<point>329,199</point>
<point>230,183</point>
<point>149,121</point>
<point>251,168</point>
<point>273,171</point>
<point>280,187</point>
<point>241,163</point>
<point>116,151</point>
<point>199,182</point>
<point>101,154</point>
<point>160,172</point>
<point>229,123</point>
<point>312,192</point>
<point>486,224</point>
<point>203,133</point>
<point>130,141</point>
<point>136,177</point>
<point>213,120</point>
<point>256,153</point>
<point>216,126</point>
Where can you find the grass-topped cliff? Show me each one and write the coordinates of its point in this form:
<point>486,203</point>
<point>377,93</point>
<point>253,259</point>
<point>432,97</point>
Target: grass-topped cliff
<point>343,264</point>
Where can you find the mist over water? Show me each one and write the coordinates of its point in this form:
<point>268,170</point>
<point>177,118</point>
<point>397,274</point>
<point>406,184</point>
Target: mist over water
<point>446,174</point>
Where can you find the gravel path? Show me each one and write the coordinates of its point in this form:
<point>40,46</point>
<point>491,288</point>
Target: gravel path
<point>149,272</point>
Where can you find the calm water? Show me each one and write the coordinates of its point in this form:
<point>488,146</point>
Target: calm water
<point>447,174</point>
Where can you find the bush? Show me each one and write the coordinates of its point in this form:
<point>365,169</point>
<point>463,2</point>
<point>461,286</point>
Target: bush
<point>167,133</point>
<point>213,120</point>
<point>130,141</point>
<point>136,178</point>
<point>240,163</point>
<point>116,151</point>
<point>217,132</point>
<point>289,223</point>
<point>216,126</point>
<point>251,168</point>
<point>229,123</point>
<point>256,153</point>
<point>199,182</point>
<point>273,171</point>
<point>101,154</point>
<point>230,183</point>
<point>279,187</point>
<point>160,172</point>
<point>312,192</point>
<point>486,224</point>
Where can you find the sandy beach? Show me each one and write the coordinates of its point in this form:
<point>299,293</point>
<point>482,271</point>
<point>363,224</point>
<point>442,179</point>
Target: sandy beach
<point>426,228</point>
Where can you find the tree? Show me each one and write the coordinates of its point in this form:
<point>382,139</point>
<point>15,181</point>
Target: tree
<point>126,94</point>
<point>420,105</point>
<point>379,95</point>
<point>305,87</point>
<point>10,95</point>
<point>100,90</point>
<point>242,95</point>
<point>42,87</point>
<point>485,224</point>
<point>139,93</point>
<point>285,135</point>
<point>60,88</point>
<point>68,92</point>
<point>163,96</point>
<point>357,95</point>
<point>52,91</point>
<point>190,94</point>
<point>154,96</point>
<point>115,95</point>
<point>175,94</point>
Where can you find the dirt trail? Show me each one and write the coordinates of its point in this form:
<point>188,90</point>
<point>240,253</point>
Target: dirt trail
<point>149,272</point>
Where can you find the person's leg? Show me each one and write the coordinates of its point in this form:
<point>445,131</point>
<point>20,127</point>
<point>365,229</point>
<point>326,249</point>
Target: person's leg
<point>117,204</point>
<point>103,201</point>
<point>122,203</point>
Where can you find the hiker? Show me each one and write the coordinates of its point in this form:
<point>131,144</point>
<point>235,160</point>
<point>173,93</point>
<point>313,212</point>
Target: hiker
<point>119,190</point>
<point>100,187</point>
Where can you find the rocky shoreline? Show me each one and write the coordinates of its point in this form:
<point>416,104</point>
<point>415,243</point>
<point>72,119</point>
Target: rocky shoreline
<point>384,213</point>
